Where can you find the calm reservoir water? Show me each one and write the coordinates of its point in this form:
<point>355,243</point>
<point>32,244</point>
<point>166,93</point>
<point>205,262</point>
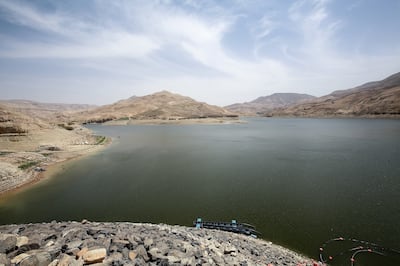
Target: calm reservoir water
<point>300,181</point>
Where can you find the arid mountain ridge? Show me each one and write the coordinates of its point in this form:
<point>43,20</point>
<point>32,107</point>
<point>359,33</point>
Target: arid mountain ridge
<point>375,99</point>
<point>265,104</point>
<point>162,105</point>
<point>372,99</point>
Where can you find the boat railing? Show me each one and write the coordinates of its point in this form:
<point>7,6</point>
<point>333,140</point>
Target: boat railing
<point>233,226</point>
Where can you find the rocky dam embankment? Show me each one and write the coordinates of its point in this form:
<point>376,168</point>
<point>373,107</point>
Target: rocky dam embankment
<point>95,243</point>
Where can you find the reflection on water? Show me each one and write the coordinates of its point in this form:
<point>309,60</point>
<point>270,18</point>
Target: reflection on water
<point>300,181</point>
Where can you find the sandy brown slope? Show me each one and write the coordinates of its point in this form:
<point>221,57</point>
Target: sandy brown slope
<point>378,98</point>
<point>13,122</point>
<point>265,104</point>
<point>161,105</point>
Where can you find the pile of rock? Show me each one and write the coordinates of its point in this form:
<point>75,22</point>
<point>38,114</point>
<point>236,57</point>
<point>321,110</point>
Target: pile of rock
<point>92,243</point>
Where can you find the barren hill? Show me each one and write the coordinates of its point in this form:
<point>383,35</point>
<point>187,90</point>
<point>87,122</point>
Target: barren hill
<point>265,104</point>
<point>378,98</point>
<point>161,105</point>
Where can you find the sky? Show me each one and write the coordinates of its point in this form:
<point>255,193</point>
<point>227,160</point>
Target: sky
<point>217,51</point>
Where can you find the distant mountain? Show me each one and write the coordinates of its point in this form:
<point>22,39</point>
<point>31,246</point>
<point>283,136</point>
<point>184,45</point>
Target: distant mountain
<point>162,105</point>
<point>266,104</point>
<point>378,98</point>
<point>44,111</point>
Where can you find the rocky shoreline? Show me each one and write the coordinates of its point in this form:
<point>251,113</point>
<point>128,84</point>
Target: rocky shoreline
<point>96,243</point>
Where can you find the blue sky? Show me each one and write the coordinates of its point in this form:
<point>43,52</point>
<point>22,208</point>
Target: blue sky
<point>220,52</point>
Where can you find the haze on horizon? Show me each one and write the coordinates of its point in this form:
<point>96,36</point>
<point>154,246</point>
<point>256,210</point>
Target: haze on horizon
<point>220,52</point>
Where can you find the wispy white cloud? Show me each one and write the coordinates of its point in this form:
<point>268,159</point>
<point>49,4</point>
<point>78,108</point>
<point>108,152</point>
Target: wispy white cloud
<point>75,38</point>
<point>354,4</point>
<point>112,44</point>
<point>30,17</point>
<point>131,42</point>
<point>264,26</point>
<point>201,38</point>
<point>315,26</point>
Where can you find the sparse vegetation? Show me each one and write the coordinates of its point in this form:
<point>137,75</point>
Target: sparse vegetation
<point>100,140</point>
<point>98,121</point>
<point>27,165</point>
